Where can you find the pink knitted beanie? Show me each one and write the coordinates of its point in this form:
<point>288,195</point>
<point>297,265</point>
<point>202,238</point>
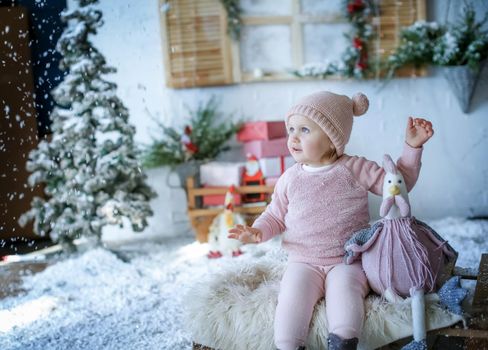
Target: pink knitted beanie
<point>333,113</point>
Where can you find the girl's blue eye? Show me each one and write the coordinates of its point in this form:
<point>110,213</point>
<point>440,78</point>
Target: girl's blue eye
<point>305,130</point>
<point>291,129</point>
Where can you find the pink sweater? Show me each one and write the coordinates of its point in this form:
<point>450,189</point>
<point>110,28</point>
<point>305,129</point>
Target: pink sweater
<point>319,211</point>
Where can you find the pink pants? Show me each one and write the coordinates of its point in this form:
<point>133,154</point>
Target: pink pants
<point>344,287</point>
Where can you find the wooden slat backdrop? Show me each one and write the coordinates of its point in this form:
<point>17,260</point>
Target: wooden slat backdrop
<point>195,44</point>
<point>395,15</point>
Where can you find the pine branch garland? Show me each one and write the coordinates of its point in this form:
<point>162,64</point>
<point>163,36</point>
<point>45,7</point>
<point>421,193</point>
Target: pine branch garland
<point>234,22</point>
<point>417,43</point>
<point>462,43</point>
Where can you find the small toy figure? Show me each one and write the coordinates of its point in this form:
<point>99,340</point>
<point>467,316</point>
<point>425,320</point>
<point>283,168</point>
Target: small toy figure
<point>403,256</point>
<point>253,176</point>
<point>217,235</point>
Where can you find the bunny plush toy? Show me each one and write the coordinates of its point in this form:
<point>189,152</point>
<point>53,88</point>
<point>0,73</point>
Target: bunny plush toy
<point>403,256</point>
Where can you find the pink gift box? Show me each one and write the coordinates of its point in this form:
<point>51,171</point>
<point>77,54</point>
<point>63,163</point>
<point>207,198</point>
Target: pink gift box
<point>267,148</point>
<point>262,131</point>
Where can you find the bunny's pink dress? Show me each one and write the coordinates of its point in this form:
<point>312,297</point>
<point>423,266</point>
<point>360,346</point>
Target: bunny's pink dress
<point>405,255</point>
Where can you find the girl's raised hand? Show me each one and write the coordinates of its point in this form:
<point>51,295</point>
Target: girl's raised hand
<point>418,132</point>
<point>246,234</point>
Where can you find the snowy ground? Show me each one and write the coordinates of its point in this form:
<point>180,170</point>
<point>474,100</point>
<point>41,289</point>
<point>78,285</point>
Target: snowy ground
<point>98,301</point>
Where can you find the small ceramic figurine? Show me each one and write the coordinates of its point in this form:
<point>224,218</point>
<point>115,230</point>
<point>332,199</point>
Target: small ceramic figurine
<point>253,176</point>
<point>218,241</point>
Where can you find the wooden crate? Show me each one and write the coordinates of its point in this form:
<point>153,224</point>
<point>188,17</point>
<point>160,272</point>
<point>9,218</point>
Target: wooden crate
<point>201,217</point>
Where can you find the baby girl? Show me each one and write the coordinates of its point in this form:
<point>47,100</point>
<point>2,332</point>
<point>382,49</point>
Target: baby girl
<point>317,204</point>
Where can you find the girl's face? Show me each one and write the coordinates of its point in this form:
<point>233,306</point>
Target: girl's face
<point>308,143</point>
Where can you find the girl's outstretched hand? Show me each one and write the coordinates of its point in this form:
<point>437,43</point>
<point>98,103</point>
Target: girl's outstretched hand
<point>246,234</point>
<point>418,132</point>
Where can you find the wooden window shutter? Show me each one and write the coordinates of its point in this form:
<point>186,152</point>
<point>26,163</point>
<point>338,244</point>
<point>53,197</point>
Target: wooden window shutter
<point>196,46</point>
<point>394,16</point>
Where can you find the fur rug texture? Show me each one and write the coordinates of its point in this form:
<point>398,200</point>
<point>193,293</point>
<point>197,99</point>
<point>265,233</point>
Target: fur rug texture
<point>234,309</point>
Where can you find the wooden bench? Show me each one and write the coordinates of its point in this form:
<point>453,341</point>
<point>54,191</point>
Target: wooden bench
<point>201,217</point>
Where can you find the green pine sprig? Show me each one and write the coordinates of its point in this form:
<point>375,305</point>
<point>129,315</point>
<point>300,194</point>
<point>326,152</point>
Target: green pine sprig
<point>417,43</point>
<point>234,22</point>
<point>208,135</point>
<point>465,43</point>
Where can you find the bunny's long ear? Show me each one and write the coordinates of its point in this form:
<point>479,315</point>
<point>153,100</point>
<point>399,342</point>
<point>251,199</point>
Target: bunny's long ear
<point>388,164</point>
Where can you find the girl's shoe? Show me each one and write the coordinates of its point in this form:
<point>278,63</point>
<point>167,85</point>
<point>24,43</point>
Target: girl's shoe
<point>337,343</point>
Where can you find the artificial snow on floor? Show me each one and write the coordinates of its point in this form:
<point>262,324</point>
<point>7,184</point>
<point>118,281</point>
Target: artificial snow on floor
<point>134,299</point>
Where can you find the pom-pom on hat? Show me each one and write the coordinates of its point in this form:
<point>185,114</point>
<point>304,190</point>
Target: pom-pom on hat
<point>333,113</point>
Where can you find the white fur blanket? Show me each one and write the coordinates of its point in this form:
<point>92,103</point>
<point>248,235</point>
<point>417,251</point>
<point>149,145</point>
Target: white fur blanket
<point>234,308</point>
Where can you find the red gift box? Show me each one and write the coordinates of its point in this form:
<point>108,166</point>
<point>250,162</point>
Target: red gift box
<point>267,148</point>
<point>218,199</point>
<point>261,131</point>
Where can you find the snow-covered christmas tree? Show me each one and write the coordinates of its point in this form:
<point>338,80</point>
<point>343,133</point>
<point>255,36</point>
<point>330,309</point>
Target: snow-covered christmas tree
<point>89,167</point>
